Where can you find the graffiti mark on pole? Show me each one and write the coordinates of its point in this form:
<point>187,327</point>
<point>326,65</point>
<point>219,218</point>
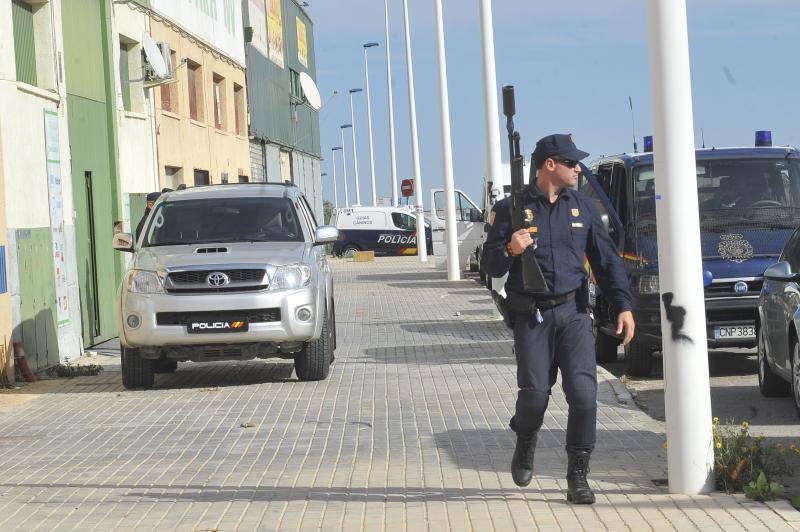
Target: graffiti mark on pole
<point>676,317</point>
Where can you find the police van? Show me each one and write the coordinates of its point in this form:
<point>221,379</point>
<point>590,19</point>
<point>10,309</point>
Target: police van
<point>749,205</point>
<point>384,230</point>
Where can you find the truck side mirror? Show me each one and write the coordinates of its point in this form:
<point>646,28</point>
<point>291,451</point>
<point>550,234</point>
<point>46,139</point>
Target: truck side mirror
<point>475,215</point>
<point>123,242</point>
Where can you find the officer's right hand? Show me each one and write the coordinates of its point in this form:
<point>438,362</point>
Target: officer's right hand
<point>520,240</point>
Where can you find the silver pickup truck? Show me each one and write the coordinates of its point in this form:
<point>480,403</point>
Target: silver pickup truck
<point>227,272</point>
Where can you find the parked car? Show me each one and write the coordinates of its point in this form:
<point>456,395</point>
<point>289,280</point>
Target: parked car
<point>777,326</point>
<point>227,272</point>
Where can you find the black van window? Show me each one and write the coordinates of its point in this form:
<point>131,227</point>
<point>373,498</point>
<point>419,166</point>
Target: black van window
<point>404,221</point>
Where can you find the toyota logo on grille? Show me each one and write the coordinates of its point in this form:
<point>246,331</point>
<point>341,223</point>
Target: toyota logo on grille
<point>217,279</point>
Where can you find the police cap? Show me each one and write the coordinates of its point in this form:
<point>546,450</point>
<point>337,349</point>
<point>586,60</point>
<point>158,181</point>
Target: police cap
<point>153,196</point>
<point>557,145</point>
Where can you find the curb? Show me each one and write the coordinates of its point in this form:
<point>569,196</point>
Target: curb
<point>623,394</point>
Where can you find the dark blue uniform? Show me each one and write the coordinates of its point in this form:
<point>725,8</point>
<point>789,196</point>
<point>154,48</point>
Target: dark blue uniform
<point>565,232</point>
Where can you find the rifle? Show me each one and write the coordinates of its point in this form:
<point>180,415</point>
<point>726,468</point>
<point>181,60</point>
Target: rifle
<point>532,277</point>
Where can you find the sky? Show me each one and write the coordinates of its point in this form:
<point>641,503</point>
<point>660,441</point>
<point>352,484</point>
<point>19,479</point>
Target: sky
<point>574,64</point>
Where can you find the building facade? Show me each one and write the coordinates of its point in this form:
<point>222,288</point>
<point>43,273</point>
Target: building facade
<point>201,117</point>
<point>284,129</point>
<point>40,305</point>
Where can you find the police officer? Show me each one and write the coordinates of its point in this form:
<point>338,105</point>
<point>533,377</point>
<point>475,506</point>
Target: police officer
<point>554,331</point>
<point>151,199</point>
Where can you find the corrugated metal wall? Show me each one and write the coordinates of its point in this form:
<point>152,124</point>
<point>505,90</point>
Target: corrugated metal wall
<point>24,44</point>
<point>257,162</point>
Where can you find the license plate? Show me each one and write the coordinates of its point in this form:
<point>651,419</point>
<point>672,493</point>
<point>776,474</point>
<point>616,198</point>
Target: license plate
<point>736,331</point>
<point>216,326</point>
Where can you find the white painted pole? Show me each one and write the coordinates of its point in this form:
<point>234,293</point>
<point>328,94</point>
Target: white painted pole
<point>491,113</point>
<point>355,150</point>
<point>451,230</point>
<point>392,151</point>
<point>690,453</point>
<point>422,248</point>
<point>369,123</point>
<point>335,187</point>
<point>344,164</point>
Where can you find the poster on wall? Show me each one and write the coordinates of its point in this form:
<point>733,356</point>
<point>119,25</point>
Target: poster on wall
<point>275,31</point>
<point>53,158</point>
<point>258,21</point>
<point>302,44</point>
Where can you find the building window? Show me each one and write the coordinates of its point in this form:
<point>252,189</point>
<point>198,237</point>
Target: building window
<point>219,101</point>
<point>169,91</point>
<point>24,41</point>
<point>201,178</point>
<point>124,75</point>
<point>195,82</point>
<point>244,179</point>
<point>295,89</point>
<point>238,103</point>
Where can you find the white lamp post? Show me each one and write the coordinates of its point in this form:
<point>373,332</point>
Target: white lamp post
<point>344,163</point>
<point>355,150</point>
<point>392,150</point>
<point>335,187</point>
<point>367,46</point>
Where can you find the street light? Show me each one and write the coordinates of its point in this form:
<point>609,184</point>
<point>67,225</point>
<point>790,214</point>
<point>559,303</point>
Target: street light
<point>392,151</point>
<point>369,122</point>
<point>335,187</point>
<point>355,151</point>
<point>344,164</point>
<point>422,250</point>
<point>451,231</point>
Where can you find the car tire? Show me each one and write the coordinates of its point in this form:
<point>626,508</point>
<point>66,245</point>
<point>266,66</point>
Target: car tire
<point>165,365</point>
<point>137,372</point>
<point>313,362</point>
<point>795,384</point>
<point>638,359</point>
<point>769,384</point>
<point>349,250</point>
<point>605,346</point>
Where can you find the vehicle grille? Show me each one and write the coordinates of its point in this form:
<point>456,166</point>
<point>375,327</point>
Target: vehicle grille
<point>194,281</point>
<point>725,289</point>
<point>732,315</point>
<point>199,276</point>
<point>263,315</point>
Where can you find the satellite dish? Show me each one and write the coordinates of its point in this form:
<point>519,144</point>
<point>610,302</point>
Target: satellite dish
<point>153,55</point>
<point>311,92</point>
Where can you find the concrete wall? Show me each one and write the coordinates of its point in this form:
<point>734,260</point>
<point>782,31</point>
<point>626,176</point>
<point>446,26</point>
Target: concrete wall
<point>24,199</point>
<point>137,160</point>
<point>197,144</point>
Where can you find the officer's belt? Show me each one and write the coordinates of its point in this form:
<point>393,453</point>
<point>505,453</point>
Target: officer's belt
<point>521,303</point>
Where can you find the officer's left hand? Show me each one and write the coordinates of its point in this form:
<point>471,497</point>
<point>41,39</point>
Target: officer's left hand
<point>625,322</point>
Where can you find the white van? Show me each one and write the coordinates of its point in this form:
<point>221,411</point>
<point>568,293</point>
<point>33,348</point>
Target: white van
<point>384,230</point>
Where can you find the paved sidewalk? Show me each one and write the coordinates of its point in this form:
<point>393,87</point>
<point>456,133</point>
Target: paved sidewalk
<point>408,433</point>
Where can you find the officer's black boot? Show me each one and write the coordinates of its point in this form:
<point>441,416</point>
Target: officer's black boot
<point>578,490</point>
<point>522,463</point>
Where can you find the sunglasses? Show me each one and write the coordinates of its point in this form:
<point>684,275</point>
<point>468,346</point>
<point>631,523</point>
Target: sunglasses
<point>566,162</point>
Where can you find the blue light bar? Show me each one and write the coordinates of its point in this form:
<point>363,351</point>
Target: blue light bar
<point>764,138</point>
<point>648,144</point>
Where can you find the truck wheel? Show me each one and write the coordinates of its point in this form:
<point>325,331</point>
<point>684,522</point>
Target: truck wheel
<point>165,365</point>
<point>137,372</point>
<point>769,384</point>
<point>349,250</point>
<point>605,346</point>
<point>638,359</point>
<point>314,361</point>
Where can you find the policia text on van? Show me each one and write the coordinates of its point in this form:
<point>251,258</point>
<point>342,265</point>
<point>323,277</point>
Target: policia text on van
<point>749,205</point>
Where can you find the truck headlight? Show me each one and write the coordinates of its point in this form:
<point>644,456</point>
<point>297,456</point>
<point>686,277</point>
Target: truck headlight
<point>648,284</point>
<point>291,276</point>
<point>144,282</point>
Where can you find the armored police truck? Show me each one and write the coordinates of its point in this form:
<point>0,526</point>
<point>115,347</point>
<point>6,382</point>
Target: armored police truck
<point>749,200</point>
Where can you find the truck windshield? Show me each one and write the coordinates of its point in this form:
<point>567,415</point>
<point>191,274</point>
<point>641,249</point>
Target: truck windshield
<point>761,191</point>
<point>203,221</point>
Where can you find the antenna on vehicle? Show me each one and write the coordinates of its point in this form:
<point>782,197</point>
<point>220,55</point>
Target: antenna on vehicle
<point>703,136</point>
<point>633,125</point>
